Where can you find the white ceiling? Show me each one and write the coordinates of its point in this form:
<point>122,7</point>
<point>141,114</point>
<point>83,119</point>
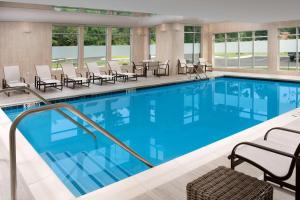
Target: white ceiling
<point>205,10</point>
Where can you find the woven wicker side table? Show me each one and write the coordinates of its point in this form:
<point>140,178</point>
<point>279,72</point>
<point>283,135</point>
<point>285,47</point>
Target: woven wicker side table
<point>226,184</point>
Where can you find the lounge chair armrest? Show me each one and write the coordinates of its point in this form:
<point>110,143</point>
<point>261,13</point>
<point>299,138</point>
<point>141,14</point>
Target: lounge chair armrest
<point>54,76</point>
<point>232,155</point>
<point>79,74</point>
<point>37,78</point>
<point>22,79</point>
<point>280,128</point>
<point>89,73</point>
<point>113,72</point>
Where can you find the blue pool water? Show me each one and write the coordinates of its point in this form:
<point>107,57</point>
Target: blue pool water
<point>159,123</point>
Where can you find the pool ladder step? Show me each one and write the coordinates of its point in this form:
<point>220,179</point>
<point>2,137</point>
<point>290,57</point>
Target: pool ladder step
<point>121,169</point>
<point>107,175</point>
<point>95,179</point>
<point>72,167</point>
<point>76,186</point>
<point>96,163</point>
<point>80,180</point>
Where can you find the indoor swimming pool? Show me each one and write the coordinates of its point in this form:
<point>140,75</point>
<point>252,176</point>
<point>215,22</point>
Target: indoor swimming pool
<point>160,123</point>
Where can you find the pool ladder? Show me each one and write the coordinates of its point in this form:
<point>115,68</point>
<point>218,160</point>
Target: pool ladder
<point>56,107</point>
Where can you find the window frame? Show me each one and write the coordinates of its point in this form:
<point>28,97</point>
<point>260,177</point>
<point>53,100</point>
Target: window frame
<point>297,38</point>
<point>105,34</point>
<point>239,39</point>
<point>197,29</point>
<point>122,34</point>
<point>151,33</point>
<point>58,66</point>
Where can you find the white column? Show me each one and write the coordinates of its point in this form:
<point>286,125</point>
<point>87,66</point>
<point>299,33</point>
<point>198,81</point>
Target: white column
<point>170,44</point>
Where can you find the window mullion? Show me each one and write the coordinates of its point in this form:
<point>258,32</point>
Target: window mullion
<point>239,52</point>
<point>226,65</point>
<point>297,50</point>
<point>253,49</point>
<point>193,60</point>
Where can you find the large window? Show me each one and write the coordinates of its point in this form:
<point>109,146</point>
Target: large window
<point>152,43</point>
<point>95,45</point>
<point>232,50</point>
<point>247,49</point>
<point>121,45</point>
<point>260,49</point>
<point>192,38</point>
<point>220,50</point>
<point>289,48</point>
<point>64,45</point>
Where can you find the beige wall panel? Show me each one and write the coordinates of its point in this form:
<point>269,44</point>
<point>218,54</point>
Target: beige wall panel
<point>25,44</point>
<point>139,36</point>
<point>170,44</point>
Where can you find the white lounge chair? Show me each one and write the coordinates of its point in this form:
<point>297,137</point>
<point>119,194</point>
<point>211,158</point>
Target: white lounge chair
<point>277,155</point>
<point>115,69</point>
<point>184,67</point>
<point>45,78</point>
<point>70,76</point>
<point>94,73</point>
<point>163,69</point>
<point>12,78</point>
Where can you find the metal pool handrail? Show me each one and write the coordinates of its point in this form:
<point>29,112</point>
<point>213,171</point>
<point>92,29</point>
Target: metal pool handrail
<point>20,117</point>
<point>48,103</point>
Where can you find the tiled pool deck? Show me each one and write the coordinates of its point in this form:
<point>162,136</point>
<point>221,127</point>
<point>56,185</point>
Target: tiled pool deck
<point>166,181</point>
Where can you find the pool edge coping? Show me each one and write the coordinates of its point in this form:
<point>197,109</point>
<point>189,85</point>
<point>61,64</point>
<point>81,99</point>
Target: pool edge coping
<point>155,85</point>
<point>28,158</point>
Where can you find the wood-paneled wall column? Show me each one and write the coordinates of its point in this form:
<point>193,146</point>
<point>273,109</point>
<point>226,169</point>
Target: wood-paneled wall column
<point>25,44</point>
<point>205,47</point>
<point>108,43</point>
<point>81,48</point>
<point>170,44</point>
<point>273,49</point>
<point>139,44</point>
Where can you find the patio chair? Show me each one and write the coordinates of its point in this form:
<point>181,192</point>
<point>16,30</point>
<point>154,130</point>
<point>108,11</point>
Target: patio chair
<point>163,69</point>
<point>12,78</point>
<point>207,66</point>
<point>69,75</point>
<point>115,69</point>
<point>277,155</point>
<point>45,78</point>
<point>184,67</point>
<point>94,73</point>
<point>153,66</point>
<point>139,69</point>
